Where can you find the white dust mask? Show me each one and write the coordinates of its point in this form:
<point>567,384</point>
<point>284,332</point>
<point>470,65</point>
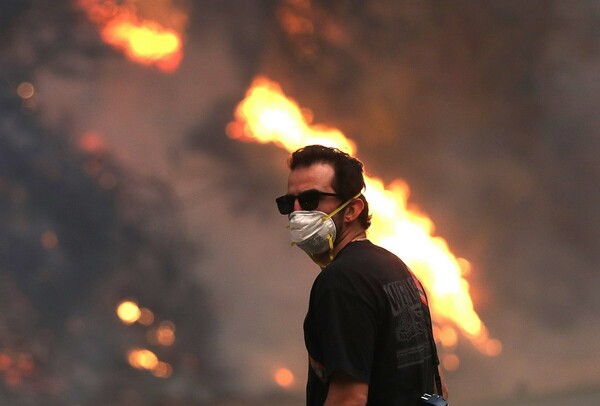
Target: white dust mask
<point>314,231</point>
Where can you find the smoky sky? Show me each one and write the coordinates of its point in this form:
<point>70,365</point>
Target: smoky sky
<point>488,111</point>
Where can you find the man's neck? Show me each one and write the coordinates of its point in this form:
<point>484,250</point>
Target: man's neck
<point>353,234</point>
<point>349,237</point>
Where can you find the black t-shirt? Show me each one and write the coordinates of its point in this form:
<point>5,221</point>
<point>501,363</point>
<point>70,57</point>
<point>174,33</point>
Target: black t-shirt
<point>368,317</point>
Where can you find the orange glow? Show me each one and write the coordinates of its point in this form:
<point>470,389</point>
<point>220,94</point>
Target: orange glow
<point>12,378</point>
<point>284,377</point>
<point>142,41</point>
<point>267,115</point>
<point>25,90</point>
<point>91,142</point>
<point>5,362</point>
<point>162,370</point>
<point>165,334</point>
<point>141,358</point>
<point>146,317</point>
<point>128,312</point>
<point>493,348</point>
<point>447,336</point>
<point>25,364</point>
<point>450,362</point>
<point>49,240</point>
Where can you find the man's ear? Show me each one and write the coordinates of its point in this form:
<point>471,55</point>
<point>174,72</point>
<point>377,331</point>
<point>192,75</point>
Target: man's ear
<point>353,210</point>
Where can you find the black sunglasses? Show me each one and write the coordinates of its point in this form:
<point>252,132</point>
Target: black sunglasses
<point>308,200</point>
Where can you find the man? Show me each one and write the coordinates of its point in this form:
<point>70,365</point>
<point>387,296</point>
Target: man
<point>368,329</point>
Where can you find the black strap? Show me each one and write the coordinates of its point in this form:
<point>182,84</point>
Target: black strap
<point>434,357</point>
<point>438,380</point>
<point>435,361</point>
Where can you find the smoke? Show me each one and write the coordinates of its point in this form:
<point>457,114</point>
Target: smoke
<point>488,111</point>
<point>82,231</point>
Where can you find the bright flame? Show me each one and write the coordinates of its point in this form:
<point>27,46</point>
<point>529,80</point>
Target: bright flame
<point>142,41</point>
<point>284,377</point>
<point>129,312</point>
<point>267,115</point>
<point>141,358</point>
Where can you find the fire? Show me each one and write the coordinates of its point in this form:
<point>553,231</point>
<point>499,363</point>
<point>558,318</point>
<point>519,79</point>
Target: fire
<point>142,358</point>
<point>284,377</point>
<point>164,334</point>
<point>129,312</point>
<point>142,41</point>
<point>267,115</point>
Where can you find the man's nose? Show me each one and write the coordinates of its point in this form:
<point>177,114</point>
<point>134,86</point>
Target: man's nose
<point>297,205</point>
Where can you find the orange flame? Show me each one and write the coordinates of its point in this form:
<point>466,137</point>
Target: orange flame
<point>284,377</point>
<point>142,41</point>
<point>267,115</point>
<point>141,358</point>
<point>128,311</point>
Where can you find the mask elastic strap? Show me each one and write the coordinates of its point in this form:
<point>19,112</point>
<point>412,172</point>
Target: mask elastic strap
<point>330,240</point>
<point>333,213</point>
<point>346,203</point>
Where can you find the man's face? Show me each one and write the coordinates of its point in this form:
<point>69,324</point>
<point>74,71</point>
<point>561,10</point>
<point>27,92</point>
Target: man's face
<point>318,176</point>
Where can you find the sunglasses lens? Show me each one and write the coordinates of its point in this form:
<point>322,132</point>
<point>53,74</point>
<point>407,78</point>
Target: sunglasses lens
<point>309,200</point>
<point>285,204</point>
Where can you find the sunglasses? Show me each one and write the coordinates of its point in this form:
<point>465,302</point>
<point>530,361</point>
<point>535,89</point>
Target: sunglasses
<point>308,200</point>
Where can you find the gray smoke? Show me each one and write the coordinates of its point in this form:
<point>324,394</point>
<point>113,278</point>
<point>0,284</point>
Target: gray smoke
<point>488,111</point>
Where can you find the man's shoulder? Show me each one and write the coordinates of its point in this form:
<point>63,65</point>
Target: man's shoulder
<point>361,254</point>
<point>362,264</point>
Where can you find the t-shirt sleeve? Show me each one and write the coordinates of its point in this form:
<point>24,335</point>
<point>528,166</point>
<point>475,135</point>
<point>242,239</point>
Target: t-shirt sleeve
<point>347,329</point>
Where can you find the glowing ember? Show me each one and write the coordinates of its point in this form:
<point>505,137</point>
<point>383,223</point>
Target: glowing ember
<point>141,358</point>
<point>49,240</point>
<point>142,41</point>
<point>146,317</point>
<point>284,377</point>
<point>5,362</point>
<point>92,143</point>
<point>267,115</point>
<point>25,90</point>
<point>450,362</point>
<point>129,312</point>
<point>162,370</point>
<point>165,334</point>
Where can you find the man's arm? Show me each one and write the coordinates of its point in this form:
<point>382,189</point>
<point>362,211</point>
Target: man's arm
<point>344,390</point>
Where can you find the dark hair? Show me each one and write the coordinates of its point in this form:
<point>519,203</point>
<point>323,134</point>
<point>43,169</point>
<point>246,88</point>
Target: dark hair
<point>348,179</point>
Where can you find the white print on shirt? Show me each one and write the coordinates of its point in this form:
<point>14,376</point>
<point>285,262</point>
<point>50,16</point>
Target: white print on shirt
<point>411,332</point>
